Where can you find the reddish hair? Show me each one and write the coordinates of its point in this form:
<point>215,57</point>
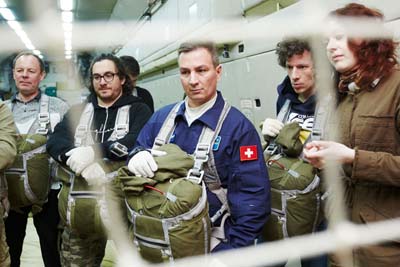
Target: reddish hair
<point>375,57</point>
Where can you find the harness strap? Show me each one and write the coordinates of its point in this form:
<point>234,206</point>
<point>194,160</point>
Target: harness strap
<point>282,117</point>
<point>44,115</point>
<point>121,123</point>
<point>167,128</point>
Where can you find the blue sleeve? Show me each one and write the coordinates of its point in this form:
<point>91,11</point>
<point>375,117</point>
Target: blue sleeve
<point>248,195</point>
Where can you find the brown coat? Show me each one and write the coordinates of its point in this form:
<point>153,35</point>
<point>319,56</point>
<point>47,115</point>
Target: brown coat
<point>370,123</point>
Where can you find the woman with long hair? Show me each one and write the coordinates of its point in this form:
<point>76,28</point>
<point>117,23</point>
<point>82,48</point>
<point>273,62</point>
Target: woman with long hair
<point>368,129</point>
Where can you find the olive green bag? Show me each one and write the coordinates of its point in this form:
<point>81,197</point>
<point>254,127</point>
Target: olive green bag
<point>78,202</point>
<point>168,213</point>
<point>295,189</point>
<point>28,178</point>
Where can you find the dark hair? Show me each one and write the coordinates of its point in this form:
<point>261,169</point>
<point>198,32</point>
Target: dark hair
<point>375,57</point>
<point>289,47</point>
<point>29,53</point>
<point>131,65</point>
<point>209,46</point>
<point>122,74</point>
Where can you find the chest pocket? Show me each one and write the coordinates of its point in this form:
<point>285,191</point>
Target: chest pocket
<point>376,133</point>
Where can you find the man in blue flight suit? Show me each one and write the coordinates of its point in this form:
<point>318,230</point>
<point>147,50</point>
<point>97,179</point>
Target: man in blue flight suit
<point>237,150</point>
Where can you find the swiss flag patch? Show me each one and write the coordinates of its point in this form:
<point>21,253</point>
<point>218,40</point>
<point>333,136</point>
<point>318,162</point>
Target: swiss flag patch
<point>248,153</point>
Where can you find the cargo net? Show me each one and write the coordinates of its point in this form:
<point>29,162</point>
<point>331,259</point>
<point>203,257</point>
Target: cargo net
<point>46,35</point>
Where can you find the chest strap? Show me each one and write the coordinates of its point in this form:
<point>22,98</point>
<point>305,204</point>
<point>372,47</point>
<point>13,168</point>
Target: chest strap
<point>83,135</point>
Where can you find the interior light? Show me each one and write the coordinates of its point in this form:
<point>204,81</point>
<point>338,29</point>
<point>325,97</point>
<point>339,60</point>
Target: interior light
<point>66,5</point>
<point>2,3</point>
<point>68,52</point>
<point>36,52</point>
<point>67,27</point>
<point>15,25</point>
<point>68,56</point>
<point>7,14</point>
<point>67,16</point>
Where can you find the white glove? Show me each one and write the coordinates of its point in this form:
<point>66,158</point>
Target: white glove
<point>80,158</point>
<point>94,174</point>
<point>271,127</point>
<point>143,163</point>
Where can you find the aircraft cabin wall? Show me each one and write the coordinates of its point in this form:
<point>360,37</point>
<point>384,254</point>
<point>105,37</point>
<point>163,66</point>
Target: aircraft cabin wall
<point>249,78</point>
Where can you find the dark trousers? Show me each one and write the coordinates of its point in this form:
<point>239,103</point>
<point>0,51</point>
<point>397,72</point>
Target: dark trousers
<point>46,224</point>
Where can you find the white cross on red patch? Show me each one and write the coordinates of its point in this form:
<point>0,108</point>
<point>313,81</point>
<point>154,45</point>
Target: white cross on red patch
<point>248,153</point>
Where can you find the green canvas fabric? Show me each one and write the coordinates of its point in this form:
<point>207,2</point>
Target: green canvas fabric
<point>80,201</point>
<point>38,173</point>
<point>295,189</point>
<point>160,210</point>
<point>288,139</point>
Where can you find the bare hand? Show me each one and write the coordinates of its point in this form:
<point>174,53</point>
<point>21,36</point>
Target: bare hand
<point>319,152</point>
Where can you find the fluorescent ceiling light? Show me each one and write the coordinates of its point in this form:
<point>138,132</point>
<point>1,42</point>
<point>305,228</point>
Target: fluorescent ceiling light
<point>66,5</point>
<point>68,52</point>
<point>15,25</point>
<point>67,27</point>
<point>68,56</point>
<point>7,14</point>
<point>68,35</point>
<point>36,52</point>
<point>2,3</point>
<point>67,16</point>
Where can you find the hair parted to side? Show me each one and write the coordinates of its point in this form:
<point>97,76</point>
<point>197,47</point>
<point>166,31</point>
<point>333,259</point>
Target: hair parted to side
<point>122,74</point>
<point>289,47</point>
<point>376,58</point>
<point>131,65</point>
<point>208,45</point>
<point>29,53</point>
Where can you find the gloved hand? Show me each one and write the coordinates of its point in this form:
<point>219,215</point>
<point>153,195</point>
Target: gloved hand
<point>143,163</point>
<point>80,158</point>
<point>104,214</point>
<point>271,127</point>
<point>94,174</point>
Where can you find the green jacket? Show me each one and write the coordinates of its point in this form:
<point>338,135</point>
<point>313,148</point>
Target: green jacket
<point>8,142</point>
<point>369,123</point>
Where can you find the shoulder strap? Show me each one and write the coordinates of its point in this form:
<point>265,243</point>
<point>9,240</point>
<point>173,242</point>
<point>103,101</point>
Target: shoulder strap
<point>167,128</point>
<point>121,127</point>
<point>81,133</point>
<point>44,115</point>
<point>282,116</point>
<point>321,118</point>
<point>284,112</point>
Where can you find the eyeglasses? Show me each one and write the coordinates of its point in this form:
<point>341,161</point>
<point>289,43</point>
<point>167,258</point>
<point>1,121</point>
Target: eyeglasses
<point>108,77</point>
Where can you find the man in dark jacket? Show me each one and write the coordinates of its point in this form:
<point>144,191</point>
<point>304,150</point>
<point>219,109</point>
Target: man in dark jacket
<point>92,134</point>
<point>299,88</point>
<point>133,69</point>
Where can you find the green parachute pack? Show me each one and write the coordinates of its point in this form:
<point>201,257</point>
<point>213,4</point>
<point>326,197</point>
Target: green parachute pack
<point>28,178</point>
<point>168,213</point>
<point>295,188</point>
<point>78,202</point>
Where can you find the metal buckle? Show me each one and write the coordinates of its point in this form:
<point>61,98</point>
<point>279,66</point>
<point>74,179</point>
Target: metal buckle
<point>201,152</point>
<point>271,149</point>
<point>42,131</point>
<point>193,178</point>
<point>121,130</point>
<point>119,150</point>
<point>44,117</point>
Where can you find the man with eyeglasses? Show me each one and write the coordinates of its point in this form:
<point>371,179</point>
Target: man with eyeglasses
<point>89,138</point>
<point>35,114</point>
